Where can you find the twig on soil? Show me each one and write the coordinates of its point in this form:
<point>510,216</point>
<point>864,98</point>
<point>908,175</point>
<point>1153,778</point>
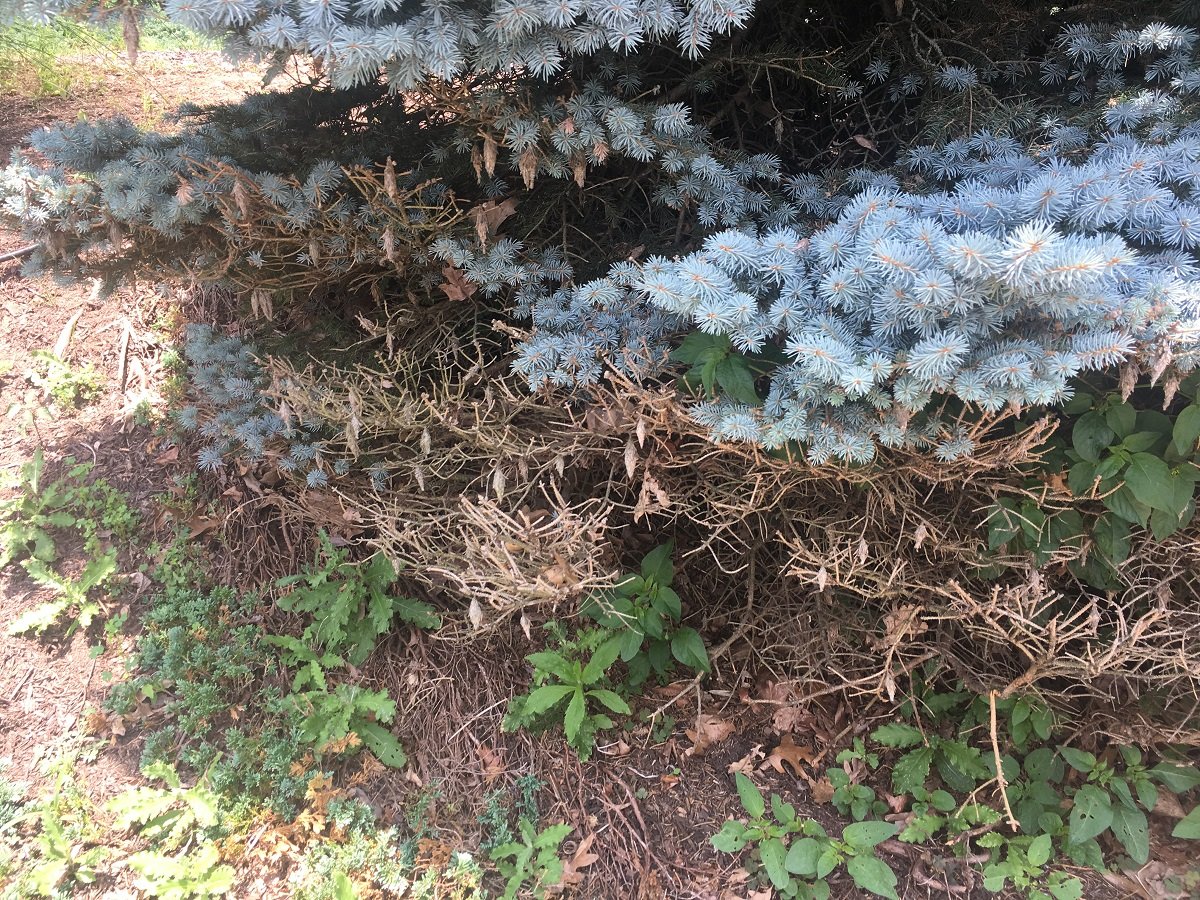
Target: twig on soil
<point>21,684</point>
<point>1000,782</point>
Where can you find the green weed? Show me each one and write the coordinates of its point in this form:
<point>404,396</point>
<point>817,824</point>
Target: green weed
<point>570,685</point>
<point>645,611</point>
<point>532,861</point>
<point>66,386</point>
<point>797,855</point>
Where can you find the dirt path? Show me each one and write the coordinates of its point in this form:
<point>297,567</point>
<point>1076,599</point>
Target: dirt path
<point>48,688</point>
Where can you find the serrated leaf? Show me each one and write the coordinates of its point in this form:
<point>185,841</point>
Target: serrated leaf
<point>911,770</point>
<point>897,734</point>
<point>415,612</point>
<point>382,743</point>
<point>573,718</point>
<point>549,661</point>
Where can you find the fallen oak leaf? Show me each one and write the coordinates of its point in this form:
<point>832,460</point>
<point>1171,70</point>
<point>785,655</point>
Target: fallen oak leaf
<point>791,753</point>
<point>822,791</point>
<point>456,286</point>
<point>493,763</point>
<point>709,730</point>
<point>581,859</point>
<point>746,764</point>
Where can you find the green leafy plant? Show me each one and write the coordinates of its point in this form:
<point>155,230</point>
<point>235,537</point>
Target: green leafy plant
<point>202,662</point>
<point>169,817</point>
<point>331,717</point>
<point>349,604</point>
<point>72,594</point>
<point>1129,467</point>
<point>645,611</point>
<point>64,859</point>
<point>195,873</point>
<point>568,689</point>
<point>349,608</point>
<point>33,522</point>
<point>1021,862</point>
<point>798,855</point>
<point>503,806</point>
<point>66,385</point>
<point>960,765</point>
<point>1059,815</point>
<point>32,516</point>
<point>715,364</point>
<point>532,861</point>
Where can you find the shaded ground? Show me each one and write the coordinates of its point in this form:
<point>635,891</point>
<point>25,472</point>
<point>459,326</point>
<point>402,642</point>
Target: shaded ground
<point>649,799</point>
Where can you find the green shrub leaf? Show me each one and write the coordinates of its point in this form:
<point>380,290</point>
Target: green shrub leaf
<point>1187,430</point>
<point>1129,826</point>
<point>573,719</point>
<point>864,835</point>
<point>1150,480</point>
<point>1090,435</point>
<point>1091,815</point>
<point>802,857</point>
<point>543,698</point>
<point>752,799</point>
<point>1039,850</point>
<point>688,647</point>
<point>731,838</point>
<point>898,734</point>
<point>872,874</point>
<point>1188,827</point>
<point>773,855</point>
<point>1176,778</point>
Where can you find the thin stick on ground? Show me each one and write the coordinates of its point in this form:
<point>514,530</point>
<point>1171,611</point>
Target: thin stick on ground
<point>1000,782</point>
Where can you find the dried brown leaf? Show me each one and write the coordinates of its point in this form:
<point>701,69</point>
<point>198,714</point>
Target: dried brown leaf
<point>708,730</point>
<point>790,753</point>
<point>822,791</point>
<point>493,763</point>
<point>747,763</point>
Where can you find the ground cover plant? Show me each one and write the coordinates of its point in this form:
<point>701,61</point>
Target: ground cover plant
<point>581,398</point>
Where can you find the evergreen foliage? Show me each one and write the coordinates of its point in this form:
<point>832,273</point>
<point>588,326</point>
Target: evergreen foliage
<point>980,234</point>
